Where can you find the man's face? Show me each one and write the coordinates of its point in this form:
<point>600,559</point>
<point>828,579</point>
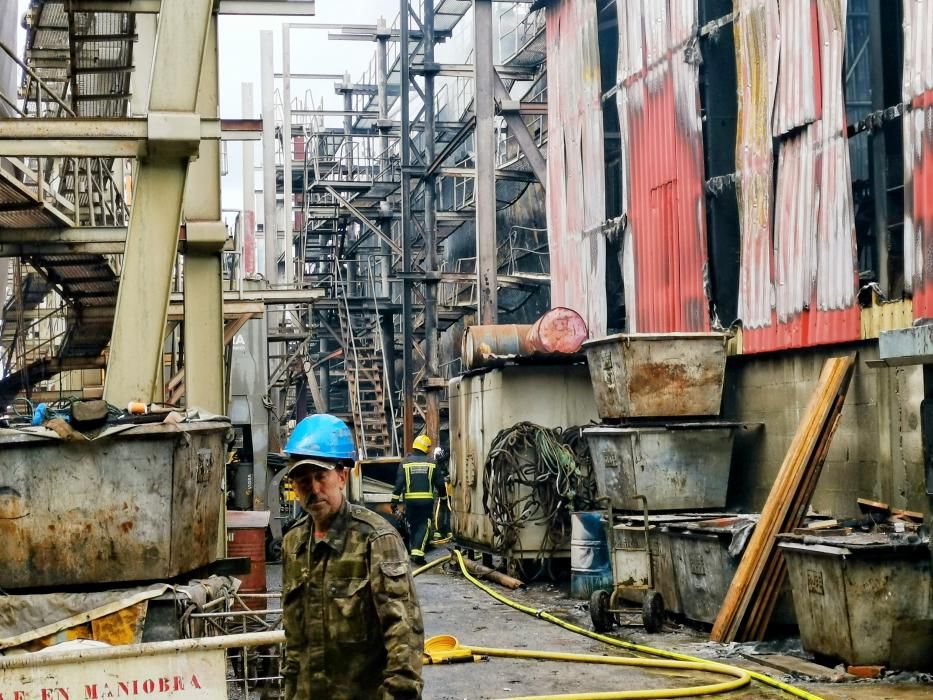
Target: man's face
<point>320,491</point>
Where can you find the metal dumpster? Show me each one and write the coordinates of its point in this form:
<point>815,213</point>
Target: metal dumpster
<point>657,375</point>
<point>138,505</point>
<point>630,533</point>
<point>855,595</point>
<point>703,564</point>
<point>677,466</point>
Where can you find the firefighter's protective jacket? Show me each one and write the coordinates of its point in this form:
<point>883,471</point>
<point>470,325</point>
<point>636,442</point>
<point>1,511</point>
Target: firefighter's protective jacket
<point>418,479</point>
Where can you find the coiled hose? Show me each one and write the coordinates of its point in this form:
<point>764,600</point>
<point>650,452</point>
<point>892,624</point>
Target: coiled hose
<point>677,661</point>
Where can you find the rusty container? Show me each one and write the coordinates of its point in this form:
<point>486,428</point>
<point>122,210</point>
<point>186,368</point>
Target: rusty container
<point>676,467</point>
<point>864,598</point>
<point>657,375</point>
<point>136,505</point>
<point>246,537</point>
<point>560,331</point>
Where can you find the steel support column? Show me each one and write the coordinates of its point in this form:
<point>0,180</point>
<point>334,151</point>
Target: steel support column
<point>484,77</point>
<point>287,204</point>
<point>152,236</point>
<point>384,124</point>
<point>879,156</point>
<point>408,390</point>
<point>204,326</point>
<point>248,244</point>
<point>431,386</point>
<point>270,223</point>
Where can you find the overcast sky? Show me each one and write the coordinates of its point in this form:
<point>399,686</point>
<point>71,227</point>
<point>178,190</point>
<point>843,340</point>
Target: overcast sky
<point>311,53</point>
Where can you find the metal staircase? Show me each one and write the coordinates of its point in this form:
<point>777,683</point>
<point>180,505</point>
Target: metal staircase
<point>364,370</point>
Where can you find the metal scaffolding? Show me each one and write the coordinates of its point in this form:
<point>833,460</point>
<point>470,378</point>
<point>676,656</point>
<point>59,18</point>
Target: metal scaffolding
<point>414,159</point>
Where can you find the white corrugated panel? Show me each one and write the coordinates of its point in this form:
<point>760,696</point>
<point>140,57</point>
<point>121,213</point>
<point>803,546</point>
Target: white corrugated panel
<point>576,196</point>
<point>918,147</point>
<point>756,71</point>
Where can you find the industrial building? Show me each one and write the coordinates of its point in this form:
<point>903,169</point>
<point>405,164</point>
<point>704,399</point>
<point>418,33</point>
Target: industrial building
<point>666,262</point>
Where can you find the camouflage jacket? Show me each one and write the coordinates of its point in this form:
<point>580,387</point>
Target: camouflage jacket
<point>353,625</point>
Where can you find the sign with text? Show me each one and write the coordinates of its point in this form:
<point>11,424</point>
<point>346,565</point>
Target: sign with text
<point>195,674</point>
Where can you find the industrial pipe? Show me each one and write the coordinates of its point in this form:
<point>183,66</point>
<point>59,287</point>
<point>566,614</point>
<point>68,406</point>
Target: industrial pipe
<point>560,331</point>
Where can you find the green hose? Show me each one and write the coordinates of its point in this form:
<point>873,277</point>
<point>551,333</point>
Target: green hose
<point>612,641</point>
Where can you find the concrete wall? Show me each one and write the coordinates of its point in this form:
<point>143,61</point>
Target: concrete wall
<point>876,452</point>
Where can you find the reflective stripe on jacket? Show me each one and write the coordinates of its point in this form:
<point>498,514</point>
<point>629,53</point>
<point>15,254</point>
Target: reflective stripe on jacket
<point>417,480</point>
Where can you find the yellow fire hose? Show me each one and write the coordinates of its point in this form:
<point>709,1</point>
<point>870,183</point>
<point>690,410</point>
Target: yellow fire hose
<point>447,650</point>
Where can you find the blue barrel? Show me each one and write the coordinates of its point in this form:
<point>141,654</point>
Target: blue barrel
<point>590,568</point>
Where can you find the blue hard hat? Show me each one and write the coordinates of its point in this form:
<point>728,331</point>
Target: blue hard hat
<point>323,436</point>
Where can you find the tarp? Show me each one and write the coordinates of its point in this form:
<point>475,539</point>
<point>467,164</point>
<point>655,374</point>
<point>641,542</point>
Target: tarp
<point>27,618</point>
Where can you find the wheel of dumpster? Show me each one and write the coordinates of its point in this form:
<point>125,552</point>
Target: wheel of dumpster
<point>652,611</point>
<point>599,611</point>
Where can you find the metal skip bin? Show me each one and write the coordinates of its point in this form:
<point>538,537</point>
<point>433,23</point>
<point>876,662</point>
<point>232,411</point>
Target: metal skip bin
<point>682,466</point>
<point>857,597</point>
<point>664,375</point>
<point>137,505</point>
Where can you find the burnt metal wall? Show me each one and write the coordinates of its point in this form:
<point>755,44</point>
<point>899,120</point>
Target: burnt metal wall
<point>576,198</point>
<point>664,246</point>
<point>918,150</point>
<point>798,272</point>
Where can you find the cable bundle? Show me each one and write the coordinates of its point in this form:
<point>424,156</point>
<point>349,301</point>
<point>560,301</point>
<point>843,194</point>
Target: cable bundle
<point>536,475</point>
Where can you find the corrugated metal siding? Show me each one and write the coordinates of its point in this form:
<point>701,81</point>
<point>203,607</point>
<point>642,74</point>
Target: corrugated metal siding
<point>576,196</point>
<point>662,167</point>
<point>799,90</point>
<point>918,154</point>
<point>757,64</point>
<point>811,289</point>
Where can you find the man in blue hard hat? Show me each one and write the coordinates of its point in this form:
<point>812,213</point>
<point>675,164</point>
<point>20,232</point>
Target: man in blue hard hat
<point>416,483</point>
<point>353,626</point>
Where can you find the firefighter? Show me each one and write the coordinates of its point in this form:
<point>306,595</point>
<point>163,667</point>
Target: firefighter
<point>442,531</point>
<point>416,483</point>
<point>353,626</point>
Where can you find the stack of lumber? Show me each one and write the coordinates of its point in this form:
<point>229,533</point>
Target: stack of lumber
<point>748,605</point>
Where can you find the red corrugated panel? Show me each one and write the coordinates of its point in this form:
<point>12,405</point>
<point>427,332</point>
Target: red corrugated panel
<point>658,100</point>
<point>813,278</point>
<point>576,194</point>
<point>918,154</point>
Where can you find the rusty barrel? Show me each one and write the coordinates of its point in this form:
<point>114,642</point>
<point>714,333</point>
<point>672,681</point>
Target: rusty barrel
<point>558,331</point>
<point>246,537</point>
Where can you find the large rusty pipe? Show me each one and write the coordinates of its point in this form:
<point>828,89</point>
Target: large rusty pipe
<point>558,331</point>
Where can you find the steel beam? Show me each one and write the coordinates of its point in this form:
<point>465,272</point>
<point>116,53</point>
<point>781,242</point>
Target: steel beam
<point>225,7</point>
<point>520,131</point>
<point>270,225</point>
<point>456,70</point>
<point>346,204</point>
<point>248,229</point>
<point>431,342</point>
<point>485,144</point>
<point>125,138</point>
<point>204,328</point>
<point>152,239</point>
<point>287,201</point>
<point>408,389</point>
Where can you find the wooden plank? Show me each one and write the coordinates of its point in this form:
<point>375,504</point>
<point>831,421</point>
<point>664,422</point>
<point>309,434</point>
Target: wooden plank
<point>766,598</point>
<point>809,443</point>
<point>798,667</point>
